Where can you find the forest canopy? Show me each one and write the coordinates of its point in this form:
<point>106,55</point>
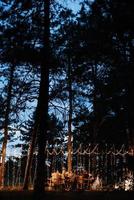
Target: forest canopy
<point>66,74</point>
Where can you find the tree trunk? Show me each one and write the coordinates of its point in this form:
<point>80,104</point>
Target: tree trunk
<point>3,156</point>
<point>95,127</point>
<point>6,122</point>
<point>43,108</point>
<point>70,117</point>
<point>30,153</point>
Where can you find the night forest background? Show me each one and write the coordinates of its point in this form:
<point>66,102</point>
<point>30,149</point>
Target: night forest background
<point>61,67</point>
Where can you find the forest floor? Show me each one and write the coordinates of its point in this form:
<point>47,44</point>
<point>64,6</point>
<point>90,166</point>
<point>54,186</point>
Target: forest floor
<point>21,195</point>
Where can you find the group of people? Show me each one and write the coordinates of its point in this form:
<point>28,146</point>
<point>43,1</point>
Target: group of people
<point>72,181</point>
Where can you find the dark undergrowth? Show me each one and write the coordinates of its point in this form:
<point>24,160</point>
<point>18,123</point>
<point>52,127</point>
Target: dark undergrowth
<point>28,195</point>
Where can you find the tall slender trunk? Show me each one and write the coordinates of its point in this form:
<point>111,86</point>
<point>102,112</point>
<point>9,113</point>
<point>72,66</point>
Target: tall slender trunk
<point>30,152</point>
<point>43,108</point>
<point>95,128</point>
<point>6,123</point>
<point>70,116</point>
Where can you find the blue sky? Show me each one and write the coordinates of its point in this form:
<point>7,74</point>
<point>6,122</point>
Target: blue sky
<point>73,4</point>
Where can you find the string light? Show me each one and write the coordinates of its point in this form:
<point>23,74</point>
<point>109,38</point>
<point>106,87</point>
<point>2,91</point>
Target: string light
<point>90,151</point>
<point>95,159</point>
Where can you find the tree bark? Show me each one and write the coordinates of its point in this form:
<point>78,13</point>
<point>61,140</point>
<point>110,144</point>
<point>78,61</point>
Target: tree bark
<point>70,116</point>
<point>30,153</point>
<point>6,122</point>
<point>95,127</point>
<point>43,108</point>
